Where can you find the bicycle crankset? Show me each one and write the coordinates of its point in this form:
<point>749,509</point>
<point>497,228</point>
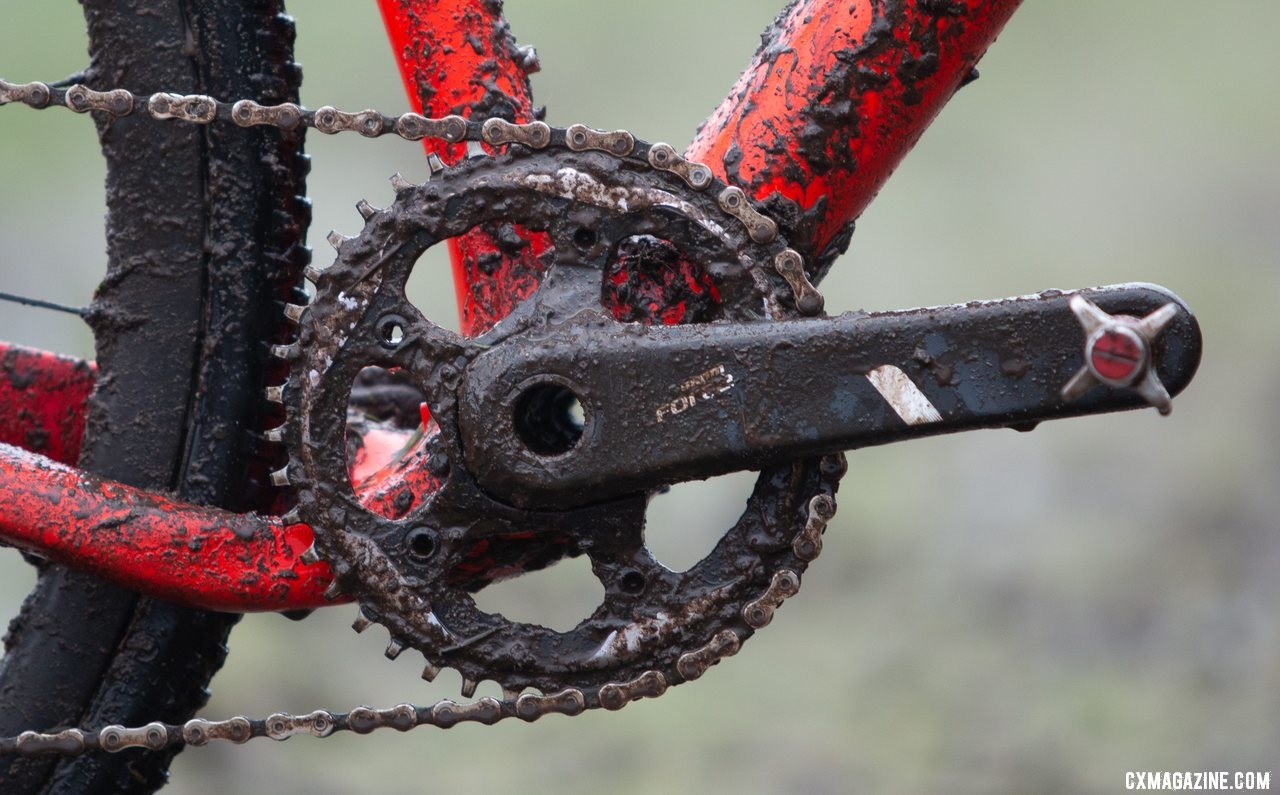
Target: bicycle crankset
<point>411,567</point>
<point>507,466</point>
<point>505,478</point>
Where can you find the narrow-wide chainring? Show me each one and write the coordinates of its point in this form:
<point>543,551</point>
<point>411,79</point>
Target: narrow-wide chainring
<point>655,627</point>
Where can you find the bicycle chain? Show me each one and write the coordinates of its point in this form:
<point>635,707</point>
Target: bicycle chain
<point>805,540</point>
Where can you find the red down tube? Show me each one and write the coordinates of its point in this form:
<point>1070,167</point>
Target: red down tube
<point>837,94</point>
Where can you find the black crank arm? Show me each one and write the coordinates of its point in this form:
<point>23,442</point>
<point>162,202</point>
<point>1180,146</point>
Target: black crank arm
<point>664,404</point>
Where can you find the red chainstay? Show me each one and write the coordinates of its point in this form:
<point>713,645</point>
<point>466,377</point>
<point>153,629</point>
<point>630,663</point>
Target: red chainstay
<point>871,73</point>
<point>174,550</point>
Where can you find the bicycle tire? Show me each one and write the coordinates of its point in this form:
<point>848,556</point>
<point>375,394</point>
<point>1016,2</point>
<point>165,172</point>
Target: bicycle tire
<point>206,237</point>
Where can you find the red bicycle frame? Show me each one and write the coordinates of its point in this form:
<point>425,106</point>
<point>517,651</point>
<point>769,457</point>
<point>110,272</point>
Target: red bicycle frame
<point>836,96</point>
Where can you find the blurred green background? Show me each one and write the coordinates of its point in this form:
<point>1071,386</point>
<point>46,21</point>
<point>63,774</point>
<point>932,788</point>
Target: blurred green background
<point>993,612</point>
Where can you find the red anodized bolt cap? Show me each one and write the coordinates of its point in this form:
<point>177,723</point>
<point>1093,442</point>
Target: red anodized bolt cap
<point>1117,355</point>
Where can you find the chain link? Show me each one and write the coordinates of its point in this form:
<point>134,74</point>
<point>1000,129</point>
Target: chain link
<point>201,109</point>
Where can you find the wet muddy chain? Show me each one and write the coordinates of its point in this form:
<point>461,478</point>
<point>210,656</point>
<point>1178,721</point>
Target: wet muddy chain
<point>756,614</point>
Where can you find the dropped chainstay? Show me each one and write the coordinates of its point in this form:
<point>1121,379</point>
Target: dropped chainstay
<point>757,613</point>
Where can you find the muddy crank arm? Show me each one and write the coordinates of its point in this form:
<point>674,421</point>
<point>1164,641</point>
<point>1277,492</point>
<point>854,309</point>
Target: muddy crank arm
<point>663,404</point>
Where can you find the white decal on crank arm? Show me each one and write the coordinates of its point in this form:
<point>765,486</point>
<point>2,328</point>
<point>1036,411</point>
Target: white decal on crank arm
<point>903,395</point>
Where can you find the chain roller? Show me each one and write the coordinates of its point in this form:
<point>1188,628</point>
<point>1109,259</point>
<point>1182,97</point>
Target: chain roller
<point>762,228</point>
<point>790,265</point>
<point>579,137</point>
<point>665,158</point>
<point>195,108</point>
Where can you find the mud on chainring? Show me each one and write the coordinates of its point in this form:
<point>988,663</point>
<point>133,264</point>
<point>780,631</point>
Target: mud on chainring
<point>654,625</point>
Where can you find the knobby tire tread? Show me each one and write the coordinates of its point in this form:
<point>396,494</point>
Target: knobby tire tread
<point>205,231</point>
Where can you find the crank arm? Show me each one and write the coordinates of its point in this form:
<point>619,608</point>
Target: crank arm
<point>664,404</point>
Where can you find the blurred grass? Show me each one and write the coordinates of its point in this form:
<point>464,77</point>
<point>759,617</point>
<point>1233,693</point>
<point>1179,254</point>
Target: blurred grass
<point>993,612</point>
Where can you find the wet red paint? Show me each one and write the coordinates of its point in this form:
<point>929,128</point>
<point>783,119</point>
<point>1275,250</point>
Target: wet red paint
<point>42,401</point>
<point>650,282</point>
<point>378,448</point>
<point>400,486</point>
<point>838,93</point>
<point>491,278</point>
<point>1116,356</point>
<point>198,556</point>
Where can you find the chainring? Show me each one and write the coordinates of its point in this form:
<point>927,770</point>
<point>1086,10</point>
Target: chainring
<point>655,627</point>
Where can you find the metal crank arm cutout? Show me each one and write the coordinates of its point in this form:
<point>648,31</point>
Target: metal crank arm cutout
<point>667,404</point>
